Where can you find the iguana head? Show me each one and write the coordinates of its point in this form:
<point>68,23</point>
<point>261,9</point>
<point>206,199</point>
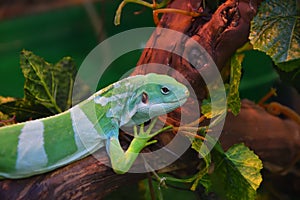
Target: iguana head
<point>137,99</point>
<point>154,96</point>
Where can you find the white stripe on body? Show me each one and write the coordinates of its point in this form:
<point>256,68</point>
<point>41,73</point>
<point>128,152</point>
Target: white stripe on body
<point>105,100</point>
<point>31,153</point>
<point>86,136</point>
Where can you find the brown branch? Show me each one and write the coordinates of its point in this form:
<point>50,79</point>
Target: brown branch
<point>88,178</point>
<point>221,35</point>
<point>275,140</point>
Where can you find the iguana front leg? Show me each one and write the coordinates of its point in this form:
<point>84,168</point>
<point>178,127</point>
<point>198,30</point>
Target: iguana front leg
<point>122,161</point>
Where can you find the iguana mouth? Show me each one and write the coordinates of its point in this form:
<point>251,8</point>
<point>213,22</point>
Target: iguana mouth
<point>175,103</point>
<point>181,101</point>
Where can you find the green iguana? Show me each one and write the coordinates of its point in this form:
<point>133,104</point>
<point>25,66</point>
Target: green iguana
<point>42,145</point>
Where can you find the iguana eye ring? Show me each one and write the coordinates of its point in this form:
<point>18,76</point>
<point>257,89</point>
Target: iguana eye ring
<point>145,97</point>
<point>164,90</point>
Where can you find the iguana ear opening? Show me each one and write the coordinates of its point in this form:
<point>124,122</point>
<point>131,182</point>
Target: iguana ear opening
<point>137,98</point>
<point>131,107</point>
<point>145,98</point>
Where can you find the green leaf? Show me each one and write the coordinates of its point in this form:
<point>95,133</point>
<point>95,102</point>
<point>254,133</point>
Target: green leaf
<point>47,84</point>
<point>248,164</point>
<point>47,90</point>
<point>201,148</point>
<point>236,174</point>
<point>233,98</point>
<point>290,66</point>
<point>203,151</point>
<point>219,108</point>
<point>24,110</point>
<point>5,119</point>
<point>275,31</point>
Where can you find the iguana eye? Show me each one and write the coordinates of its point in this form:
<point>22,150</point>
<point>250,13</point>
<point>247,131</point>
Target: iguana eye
<point>165,90</point>
<point>145,97</point>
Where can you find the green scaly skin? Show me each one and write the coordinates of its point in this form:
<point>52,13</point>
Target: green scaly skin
<point>42,145</point>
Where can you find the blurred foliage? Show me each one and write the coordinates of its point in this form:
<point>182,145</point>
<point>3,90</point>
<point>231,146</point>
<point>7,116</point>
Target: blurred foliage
<point>275,31</point>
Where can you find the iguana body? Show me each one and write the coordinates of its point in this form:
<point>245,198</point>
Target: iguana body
<point>41,145</point>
